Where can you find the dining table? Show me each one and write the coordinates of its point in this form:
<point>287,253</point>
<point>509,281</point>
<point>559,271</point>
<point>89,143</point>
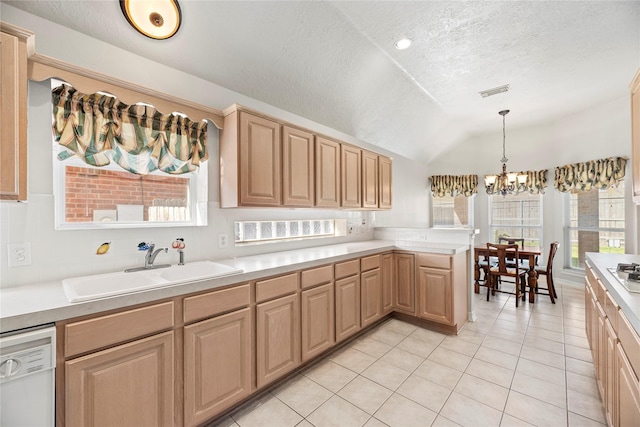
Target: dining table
<point>529,253</point>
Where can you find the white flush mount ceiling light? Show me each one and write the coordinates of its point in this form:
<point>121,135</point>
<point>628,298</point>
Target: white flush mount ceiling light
<point>495,91</point>
<point>157,19</point>
<point>403,44</point>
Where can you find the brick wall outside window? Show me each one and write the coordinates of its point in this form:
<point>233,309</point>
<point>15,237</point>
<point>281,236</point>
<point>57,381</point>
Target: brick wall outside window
<point>88,189</point>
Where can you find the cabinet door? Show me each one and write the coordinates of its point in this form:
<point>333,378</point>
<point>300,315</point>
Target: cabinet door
<point>635,136</point>
<point>127,385</point>
<point>587,311</point>
<point>260,151</point>
<point>327,173</point>
<point>13,121</point>
<point>318,320</point>
<point>628,397</point>
<point>371,296</point>
<point>434,295</point>
<point>351,177</point>
<point>347,307</point>
<point>610,383</point>
<point>387,283</point>
<point>370,180</point>
<point>217,365</point>
<point>297,167</point>
<point>601,361</point>
<point>404,289</point>
<point>384,186</point>
<point>277,338</point>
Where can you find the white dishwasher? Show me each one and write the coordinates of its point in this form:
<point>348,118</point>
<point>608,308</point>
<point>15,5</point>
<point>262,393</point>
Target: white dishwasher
<point>27,377</point>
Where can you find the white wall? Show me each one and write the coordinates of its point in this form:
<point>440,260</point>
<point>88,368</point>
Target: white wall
<point>60,254</point>
<point>594,133</point>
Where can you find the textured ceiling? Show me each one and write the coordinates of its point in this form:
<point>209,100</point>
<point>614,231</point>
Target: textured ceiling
<point>334,62</point>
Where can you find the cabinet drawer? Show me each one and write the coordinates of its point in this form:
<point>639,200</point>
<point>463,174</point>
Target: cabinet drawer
<point>369,263</point>
<point>278,286</point>
<point>212,303</point>
<point>316,276</point>
<point>611,308</point>
<point>591,277</point>
<point>435,261</point>
<point>347,268</point>
<point>99,332</point>
<point>630,342</point>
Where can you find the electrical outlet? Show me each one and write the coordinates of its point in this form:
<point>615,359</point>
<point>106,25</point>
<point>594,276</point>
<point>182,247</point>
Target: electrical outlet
<point>19,254</point>
<point>223,240</point>
<point>350,230</point>
<point>364,221</point>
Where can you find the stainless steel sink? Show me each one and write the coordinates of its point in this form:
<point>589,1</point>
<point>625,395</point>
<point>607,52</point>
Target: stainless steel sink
<point>87,288</point>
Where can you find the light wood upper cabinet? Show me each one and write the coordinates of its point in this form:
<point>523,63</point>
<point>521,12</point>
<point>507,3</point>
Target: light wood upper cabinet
<point>384,173</point>
<point>277,338</point>
<point>635,136</point>
<point>351,176</point>
<point>298,166</point>
<point>250,161</point>
<point>327,173</point>
<point>127,385</point>
<point>370,180</point>
<point>217,365</point>
<point>13,120</point>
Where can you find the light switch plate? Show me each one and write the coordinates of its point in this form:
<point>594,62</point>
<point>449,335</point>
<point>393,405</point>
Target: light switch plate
<point>19,254</point>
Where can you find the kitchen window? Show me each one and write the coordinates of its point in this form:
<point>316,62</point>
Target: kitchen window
<point>452,211</point>
<point>595,223</point>
<point>516,215</point>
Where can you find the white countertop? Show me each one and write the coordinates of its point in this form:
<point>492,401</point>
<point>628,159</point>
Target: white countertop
<point>629,302</point>
<point>42,303</point>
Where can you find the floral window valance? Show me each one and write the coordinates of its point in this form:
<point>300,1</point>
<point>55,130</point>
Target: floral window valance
<point>454,185</point>
<point>99,128</point>
<point>600,174</point>
<point>535,183</point>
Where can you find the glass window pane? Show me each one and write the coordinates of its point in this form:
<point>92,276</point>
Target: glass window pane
<point>451,211</point>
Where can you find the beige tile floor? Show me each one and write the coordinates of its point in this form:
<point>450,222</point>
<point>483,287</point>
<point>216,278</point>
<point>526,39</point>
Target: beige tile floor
<point>511,367</point>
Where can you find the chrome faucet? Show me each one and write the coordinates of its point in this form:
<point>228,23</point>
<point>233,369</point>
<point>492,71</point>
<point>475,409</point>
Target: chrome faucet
<point>151,255</point>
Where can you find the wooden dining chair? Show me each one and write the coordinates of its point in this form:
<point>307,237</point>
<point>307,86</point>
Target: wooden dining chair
<point>547,270</point>
<point>497,272</point>
<point>513,241</point>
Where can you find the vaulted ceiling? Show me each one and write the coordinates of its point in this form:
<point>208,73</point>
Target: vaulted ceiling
<point>334,62</point>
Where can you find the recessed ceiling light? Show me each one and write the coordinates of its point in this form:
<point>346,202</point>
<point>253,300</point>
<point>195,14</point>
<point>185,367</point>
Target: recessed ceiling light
<point>403,44</point>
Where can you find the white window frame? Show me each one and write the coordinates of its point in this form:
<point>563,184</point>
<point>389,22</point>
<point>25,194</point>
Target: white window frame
<point>568,229</point>
<point>522,226</point>
<point>470,208</point>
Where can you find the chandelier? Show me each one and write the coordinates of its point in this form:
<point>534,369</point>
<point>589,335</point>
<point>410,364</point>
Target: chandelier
<point>505,183</point>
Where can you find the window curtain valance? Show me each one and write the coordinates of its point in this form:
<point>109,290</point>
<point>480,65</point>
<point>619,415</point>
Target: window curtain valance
<point>600,174</point>
<point>99,128</point>
<point>535,183</point>
<point>454,185</point>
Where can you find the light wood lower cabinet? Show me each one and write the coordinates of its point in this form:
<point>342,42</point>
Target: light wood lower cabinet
<point>628,397</point>
<point>318,320</point>
<point>127,385</point>
<point>387,283</point>
<point>611,383</point>
<point>277,338</point>
<point>217,365</point>
<point>404,289</point>
<point>347,307</point>
<point>371,296</point>
<point>434,295</point>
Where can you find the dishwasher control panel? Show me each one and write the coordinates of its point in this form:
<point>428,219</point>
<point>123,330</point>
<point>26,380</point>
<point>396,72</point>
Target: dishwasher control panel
<point>19,363</point>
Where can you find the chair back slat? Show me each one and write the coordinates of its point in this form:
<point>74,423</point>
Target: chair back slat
<point>504,253</point>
